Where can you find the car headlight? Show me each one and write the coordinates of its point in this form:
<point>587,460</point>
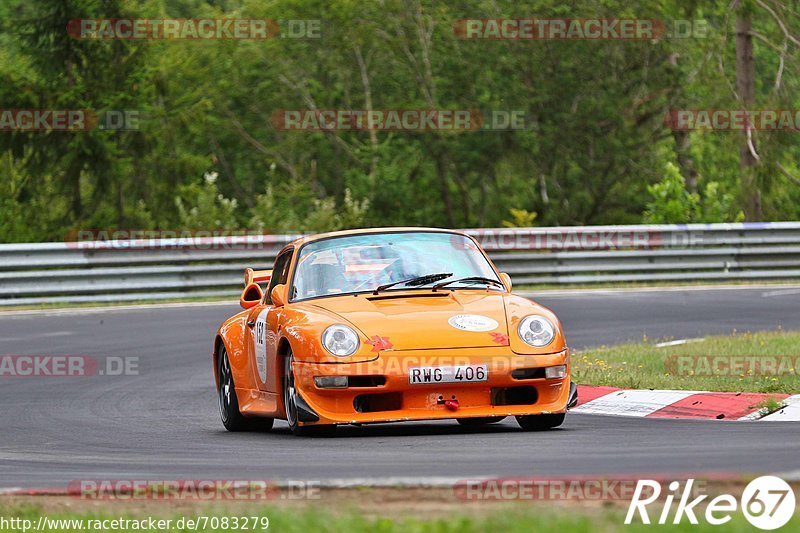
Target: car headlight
<point>536,330</point>
<point>340,340</point>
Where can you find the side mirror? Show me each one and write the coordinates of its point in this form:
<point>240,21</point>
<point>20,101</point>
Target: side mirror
<point>506,279</point>
<point>277,295</point>
<point>251,296</point>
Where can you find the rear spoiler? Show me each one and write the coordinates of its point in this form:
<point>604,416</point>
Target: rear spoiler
<point>256,276</point>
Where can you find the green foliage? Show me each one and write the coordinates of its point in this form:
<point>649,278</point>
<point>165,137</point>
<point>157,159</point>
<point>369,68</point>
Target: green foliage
<point>520,218</point>
<point>353,213</point>
<point>27,217</point>
<point>593,149</point>
<point>273,214</point>
<point>717,206</point>
<point>203,207</point>
<point>671,203</point>
<point>279,213</point>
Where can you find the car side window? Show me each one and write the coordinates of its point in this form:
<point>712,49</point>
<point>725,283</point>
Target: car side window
<point>280,273</point>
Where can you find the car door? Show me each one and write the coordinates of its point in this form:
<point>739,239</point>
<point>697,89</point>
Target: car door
<point>266,327</point>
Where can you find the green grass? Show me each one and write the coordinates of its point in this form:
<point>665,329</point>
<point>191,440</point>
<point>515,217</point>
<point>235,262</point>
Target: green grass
<point>568,518</point>
<point>645,366</point>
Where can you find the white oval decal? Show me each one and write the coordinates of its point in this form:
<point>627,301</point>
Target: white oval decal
<point>261,345</point>
<point>473,323</point>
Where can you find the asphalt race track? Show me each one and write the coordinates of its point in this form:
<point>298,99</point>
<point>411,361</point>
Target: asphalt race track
<point>164,423</point>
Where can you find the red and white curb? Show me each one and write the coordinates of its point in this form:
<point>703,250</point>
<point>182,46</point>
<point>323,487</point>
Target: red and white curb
<point>684,404</point>
<point>790,411</point>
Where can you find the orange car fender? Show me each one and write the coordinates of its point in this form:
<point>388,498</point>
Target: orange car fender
<point>303,326</point>
<point>518,308</point>
<point>235,335</point>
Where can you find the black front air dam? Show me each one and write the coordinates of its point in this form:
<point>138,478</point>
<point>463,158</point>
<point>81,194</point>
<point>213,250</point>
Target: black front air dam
<point>304,412</point>
<point>573,396</point>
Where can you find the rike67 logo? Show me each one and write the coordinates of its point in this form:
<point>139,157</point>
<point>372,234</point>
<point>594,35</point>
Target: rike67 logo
<point>767,502</point>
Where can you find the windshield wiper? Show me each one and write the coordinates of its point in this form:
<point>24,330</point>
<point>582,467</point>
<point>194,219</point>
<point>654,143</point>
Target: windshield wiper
<point>470,280</point>
<point>414,282</point>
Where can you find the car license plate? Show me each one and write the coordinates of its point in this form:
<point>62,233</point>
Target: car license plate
<point>447,374</point>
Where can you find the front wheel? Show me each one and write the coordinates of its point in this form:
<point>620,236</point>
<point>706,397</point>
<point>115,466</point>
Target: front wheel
<point>290,405</point>
<point>540,422</point>
<point>229,412</point>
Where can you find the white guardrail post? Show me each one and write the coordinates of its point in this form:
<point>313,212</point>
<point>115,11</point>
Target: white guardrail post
<point>126,270</point>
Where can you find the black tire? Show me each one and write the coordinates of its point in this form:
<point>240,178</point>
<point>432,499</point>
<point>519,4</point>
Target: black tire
<point>540,422</point>
<point>480,421</point>
<point>229,412</point>
<point>289,397</point>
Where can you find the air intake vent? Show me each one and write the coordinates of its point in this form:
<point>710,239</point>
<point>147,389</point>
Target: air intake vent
<point>374,403</point>
<point>514,396</point>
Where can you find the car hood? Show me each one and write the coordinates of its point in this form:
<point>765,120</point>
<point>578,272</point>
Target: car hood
<point>425,320</point>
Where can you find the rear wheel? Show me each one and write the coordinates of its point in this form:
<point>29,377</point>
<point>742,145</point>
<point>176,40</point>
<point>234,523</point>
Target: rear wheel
<point>480,421</point>
<point>290,404</point>
<point>540,422</point>
<point>232,419</point>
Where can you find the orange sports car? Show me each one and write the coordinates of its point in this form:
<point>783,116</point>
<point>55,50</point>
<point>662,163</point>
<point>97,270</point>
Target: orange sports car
<point>385,325</point>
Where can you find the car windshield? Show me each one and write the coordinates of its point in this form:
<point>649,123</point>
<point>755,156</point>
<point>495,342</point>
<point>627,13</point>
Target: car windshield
<point>362,263</point>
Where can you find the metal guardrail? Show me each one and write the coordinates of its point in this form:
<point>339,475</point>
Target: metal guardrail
<point>124,270</point>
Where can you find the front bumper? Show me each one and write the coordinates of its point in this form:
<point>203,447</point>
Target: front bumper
<point>515,386</point>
